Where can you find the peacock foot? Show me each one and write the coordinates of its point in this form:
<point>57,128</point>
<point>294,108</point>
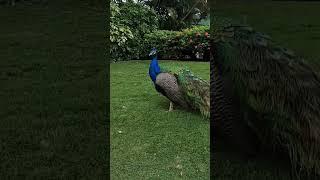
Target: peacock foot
<point>171,107</point>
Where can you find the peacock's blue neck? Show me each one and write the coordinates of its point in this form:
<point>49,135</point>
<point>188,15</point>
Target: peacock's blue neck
<point>154,69</point>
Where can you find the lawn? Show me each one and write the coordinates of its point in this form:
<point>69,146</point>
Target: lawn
<point>146,141</point>
<point>53,120</point>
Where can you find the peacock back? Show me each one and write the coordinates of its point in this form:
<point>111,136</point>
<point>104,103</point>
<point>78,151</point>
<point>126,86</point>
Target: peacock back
<point>168,85</point>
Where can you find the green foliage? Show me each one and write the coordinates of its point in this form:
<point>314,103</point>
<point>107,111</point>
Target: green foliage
<point>197,91</point>
<point>120,33</point>
<point>177,14</point>
<point>197,35</point>
<point>140,18</point>
<point>129,22</point>
<point>134,31</point>
<point>190,43</point>
<point>159,39</point>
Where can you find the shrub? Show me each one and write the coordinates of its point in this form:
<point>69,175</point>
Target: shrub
<point>159,39</point>
<point>191,43</point>
<point>129,22</point>
<point>119,37</point>
<point>194,42</point>
<point>120,33</point>
<point>134,31</point>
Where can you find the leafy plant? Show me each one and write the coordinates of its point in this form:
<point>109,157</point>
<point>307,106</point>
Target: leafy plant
<point>120,33</point>
<point>191,43</point>
<point>134,31</point>
<point>159,39</point>
<point>177,14</point>
<point>129,23</point>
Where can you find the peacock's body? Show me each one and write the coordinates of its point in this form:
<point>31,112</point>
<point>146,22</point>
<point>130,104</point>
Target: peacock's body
<point>182,88</point>
<point>256,83</point>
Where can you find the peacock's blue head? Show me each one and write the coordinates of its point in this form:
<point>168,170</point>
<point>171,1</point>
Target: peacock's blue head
<point>153,52</point>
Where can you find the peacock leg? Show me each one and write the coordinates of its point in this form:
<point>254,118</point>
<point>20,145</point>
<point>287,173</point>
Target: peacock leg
<point>171,106</point>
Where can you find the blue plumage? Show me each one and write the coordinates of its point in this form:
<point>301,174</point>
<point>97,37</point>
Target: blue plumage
<point>154,68</point>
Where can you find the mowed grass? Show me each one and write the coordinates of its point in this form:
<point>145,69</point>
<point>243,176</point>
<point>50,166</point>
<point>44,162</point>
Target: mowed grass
<point>294,25</point>
<point>52,76</point>
<point>146,141</point>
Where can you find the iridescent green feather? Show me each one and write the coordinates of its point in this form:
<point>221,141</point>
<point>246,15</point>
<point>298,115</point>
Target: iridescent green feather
<point>195,89</point>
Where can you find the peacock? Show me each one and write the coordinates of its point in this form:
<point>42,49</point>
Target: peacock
<point>260,87</point>
<point>182,87</point>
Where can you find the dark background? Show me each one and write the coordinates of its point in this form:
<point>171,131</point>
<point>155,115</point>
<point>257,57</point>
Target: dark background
<point>54,90</point>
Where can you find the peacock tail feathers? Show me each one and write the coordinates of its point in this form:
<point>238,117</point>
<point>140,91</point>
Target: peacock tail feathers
<point>196,90</point>
<point>277,85</point>
<point>174,69</point>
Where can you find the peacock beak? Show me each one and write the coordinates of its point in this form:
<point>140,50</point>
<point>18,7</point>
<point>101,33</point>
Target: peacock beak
<point>153,52</point>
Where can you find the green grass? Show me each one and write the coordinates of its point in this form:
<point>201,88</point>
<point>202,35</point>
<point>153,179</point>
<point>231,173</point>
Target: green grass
<point>52,78</point>
<point>294,25</point>
<point>146,141</point>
